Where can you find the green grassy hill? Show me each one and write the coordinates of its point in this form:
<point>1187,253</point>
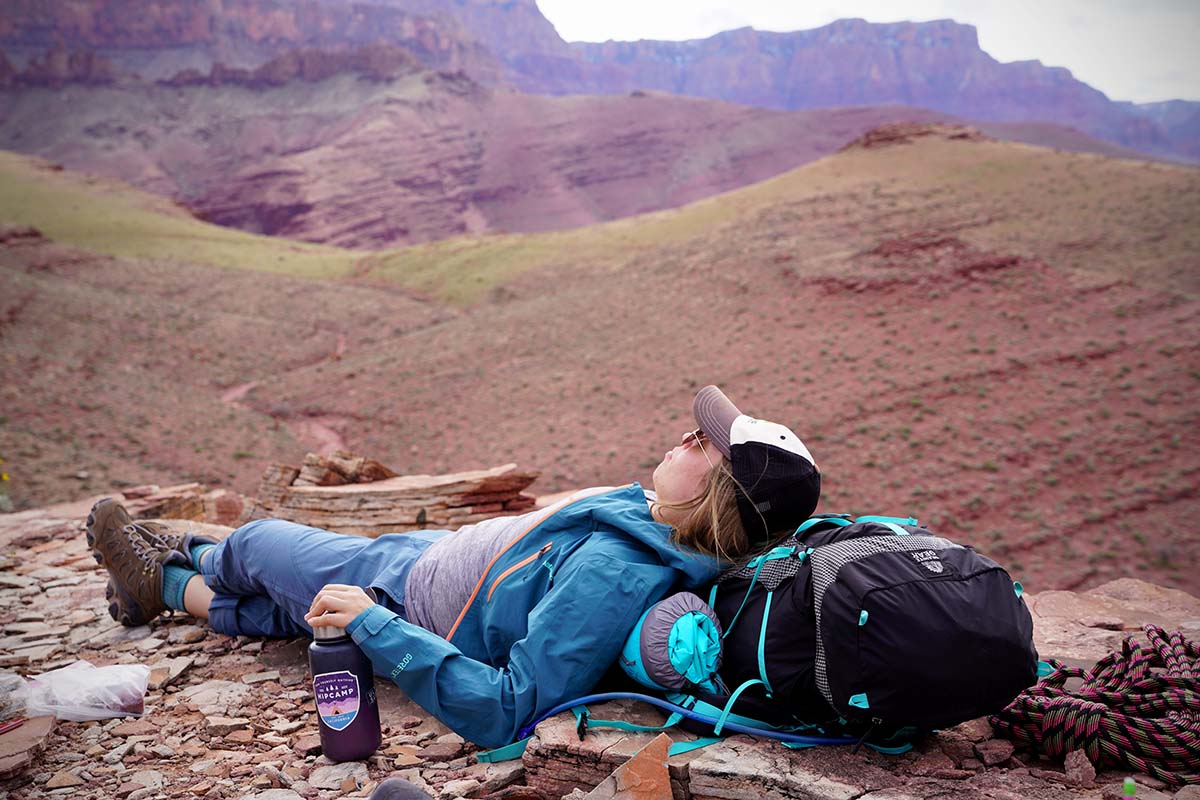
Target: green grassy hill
<point>106,216</point>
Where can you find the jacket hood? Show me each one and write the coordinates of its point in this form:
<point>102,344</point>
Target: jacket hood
<point>627,510</point>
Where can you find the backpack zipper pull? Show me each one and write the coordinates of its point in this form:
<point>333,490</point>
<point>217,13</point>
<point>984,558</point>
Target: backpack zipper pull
<point>875,721</point>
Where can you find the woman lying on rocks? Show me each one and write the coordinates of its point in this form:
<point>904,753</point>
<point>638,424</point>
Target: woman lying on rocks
<point>490,625</point>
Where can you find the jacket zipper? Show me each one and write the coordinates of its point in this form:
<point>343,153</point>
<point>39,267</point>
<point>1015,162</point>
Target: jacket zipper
<point>522,563</point>
<point>467,606</point>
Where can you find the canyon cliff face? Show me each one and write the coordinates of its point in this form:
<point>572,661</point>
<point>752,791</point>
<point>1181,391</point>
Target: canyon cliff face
<point>1179,119</point>
<point>852,62</point>
<point>158,39</point>
<point>937,65</point>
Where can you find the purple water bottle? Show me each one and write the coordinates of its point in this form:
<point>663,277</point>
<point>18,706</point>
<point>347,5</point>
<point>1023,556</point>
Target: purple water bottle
<point>344,692</point>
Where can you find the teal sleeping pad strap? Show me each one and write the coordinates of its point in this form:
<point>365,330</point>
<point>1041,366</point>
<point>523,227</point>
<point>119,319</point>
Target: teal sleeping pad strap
<point>581,713</point>
<point>676,747</point>
<point>687,747</point>
<point>506,753</point>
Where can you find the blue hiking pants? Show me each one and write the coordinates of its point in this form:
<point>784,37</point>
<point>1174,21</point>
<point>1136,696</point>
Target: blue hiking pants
<point>267,572</point>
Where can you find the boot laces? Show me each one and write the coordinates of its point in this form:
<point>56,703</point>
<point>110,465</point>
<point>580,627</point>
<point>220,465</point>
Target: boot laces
<point>149,547</point>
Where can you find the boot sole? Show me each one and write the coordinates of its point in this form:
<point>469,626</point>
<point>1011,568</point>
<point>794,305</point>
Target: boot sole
<point>118,610</point>
<point>119,601</point>
<point>91,535</point>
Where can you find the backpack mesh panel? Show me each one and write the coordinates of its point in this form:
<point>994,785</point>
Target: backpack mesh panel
<point>774,572</point>
<point>828,560</point>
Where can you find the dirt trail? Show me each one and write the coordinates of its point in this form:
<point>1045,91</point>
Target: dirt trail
<point>315,432</point>
<point>318,430</point>
<point>236,393</point>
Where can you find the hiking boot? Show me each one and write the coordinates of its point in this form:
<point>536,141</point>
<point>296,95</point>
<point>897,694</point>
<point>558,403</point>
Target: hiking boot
<point>134,555</point>
<point>181,543</point>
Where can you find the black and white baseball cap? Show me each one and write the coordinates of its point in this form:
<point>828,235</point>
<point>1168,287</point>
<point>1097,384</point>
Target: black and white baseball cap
<point>779,479</point>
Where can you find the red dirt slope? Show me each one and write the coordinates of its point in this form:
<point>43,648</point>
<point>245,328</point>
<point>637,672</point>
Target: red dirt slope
<point>972,332</point>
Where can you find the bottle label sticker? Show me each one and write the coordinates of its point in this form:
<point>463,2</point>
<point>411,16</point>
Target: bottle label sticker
<point>337,698</point>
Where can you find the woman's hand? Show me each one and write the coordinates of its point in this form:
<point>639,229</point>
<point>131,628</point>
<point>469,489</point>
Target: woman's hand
<point>337,605</point>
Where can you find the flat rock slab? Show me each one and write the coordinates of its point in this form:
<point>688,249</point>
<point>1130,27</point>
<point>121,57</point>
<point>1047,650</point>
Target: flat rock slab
<point>64,779</point>
<point>643,777</point>
<point>558,762</point>
<point>743,768</point>
<point>137,727</point>
<point>333,776</point>
<point>19,746</point>
<point>215,697</point>
<point>1089,625</point>
<point>273,794</point>
<point>167,671</point>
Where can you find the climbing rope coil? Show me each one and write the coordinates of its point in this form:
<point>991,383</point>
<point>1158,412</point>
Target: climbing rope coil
<point>1123,715</point>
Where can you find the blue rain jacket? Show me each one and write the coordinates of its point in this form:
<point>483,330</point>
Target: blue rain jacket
<point>547,619</point>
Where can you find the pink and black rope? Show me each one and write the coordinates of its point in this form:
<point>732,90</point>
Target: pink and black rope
<point>1124,714</point>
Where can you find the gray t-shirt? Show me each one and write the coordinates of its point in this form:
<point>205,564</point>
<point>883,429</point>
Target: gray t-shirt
<point>442,579</point>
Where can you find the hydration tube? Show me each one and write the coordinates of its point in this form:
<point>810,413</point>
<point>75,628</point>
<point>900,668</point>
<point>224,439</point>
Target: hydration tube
<point>666,705</point>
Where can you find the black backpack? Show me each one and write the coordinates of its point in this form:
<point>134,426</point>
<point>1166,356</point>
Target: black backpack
<point>872,626</point>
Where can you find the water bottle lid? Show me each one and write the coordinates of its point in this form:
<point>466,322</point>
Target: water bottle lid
<point>322,632</point>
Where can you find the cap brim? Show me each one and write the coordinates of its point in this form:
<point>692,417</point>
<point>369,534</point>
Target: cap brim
<point>715,414</point>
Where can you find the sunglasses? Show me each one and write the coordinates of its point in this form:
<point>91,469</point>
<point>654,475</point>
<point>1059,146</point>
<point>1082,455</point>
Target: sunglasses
<point>697,438</point>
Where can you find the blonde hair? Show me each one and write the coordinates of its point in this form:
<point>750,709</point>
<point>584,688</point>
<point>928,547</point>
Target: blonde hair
<point>711,524</point>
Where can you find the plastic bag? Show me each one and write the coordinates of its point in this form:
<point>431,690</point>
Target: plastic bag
<point>83,691</point>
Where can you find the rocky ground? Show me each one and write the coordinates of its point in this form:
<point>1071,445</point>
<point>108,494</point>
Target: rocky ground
<point>234,718</point>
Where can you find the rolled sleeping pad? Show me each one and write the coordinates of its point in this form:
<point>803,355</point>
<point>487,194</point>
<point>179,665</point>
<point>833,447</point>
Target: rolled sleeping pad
<point>676,645</point>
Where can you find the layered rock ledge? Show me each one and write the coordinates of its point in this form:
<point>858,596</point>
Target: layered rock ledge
<point>233,717</point>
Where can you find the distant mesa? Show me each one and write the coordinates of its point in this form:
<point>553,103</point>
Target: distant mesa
<point>896,133</point>
<point>58,67</point>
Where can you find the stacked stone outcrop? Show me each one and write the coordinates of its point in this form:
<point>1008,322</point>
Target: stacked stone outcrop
<point>378,501</point>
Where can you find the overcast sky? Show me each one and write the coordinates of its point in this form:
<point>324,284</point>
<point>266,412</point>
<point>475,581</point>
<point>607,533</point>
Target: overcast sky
<point>1140,50</point>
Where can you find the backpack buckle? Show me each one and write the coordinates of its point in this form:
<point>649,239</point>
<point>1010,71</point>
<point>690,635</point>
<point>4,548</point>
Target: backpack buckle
<point>582,725</point>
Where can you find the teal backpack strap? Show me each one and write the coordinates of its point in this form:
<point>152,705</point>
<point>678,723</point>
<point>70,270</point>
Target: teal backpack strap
<point>885,520</point>
<point>729,705</point>
<point>745,599</point>
<point>759,562</point>
<point>506,753</point>
<point>762,641</point>
<point>584,721</point>
<point>840,520</point>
